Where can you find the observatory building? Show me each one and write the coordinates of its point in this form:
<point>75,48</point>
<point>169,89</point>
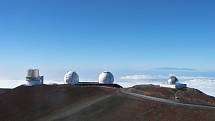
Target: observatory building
<point>106,78</point>
<point>71,78</point>
<point>33,77</point>
<point>173,82</point>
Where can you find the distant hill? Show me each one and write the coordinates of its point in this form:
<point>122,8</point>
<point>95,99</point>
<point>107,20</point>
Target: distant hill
<point>90,103</point>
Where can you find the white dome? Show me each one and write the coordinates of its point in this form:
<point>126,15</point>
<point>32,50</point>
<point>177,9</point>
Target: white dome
<point>71,77</point>
<point>106,78</point>
<point>172,80</point>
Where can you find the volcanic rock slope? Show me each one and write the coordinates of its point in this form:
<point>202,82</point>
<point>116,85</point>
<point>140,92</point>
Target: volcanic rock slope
<point>69,103</point>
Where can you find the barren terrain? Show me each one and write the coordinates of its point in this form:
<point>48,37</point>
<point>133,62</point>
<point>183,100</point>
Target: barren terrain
<point>90,103</point>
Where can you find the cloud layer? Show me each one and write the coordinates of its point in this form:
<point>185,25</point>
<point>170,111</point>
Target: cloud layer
<point>15,83</point>
<point>150,77</point>
<point>205,84</point>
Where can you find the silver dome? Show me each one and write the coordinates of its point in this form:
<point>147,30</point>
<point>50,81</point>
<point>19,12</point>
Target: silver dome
<point>106,78</point>
<point>71,77</point>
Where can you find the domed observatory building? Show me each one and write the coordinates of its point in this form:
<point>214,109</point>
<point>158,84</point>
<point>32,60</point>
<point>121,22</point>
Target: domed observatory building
<point>106,78</point>
<point>33,77</point>
<point>71,77</point>
<point>173,82</point>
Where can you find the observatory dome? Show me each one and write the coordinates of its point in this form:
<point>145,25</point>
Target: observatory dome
<point>33,77</point>
<point>71,77</point>
<point>106,78</point>
<point>172,80</point>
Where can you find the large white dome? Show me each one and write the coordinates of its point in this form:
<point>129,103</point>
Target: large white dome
<point>71,77</point>
<point>106,78</point>
<point>172,80</point>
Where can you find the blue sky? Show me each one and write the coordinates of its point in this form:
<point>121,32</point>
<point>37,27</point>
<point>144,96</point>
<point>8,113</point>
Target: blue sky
<point>94,35</point>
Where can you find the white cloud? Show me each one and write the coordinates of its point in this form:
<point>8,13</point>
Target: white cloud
<point>143,77</point>
<point>11,83</point>
<point>205,84</point>
<point>16,83</point>
<point>148,77</point>
<point>53,82</point>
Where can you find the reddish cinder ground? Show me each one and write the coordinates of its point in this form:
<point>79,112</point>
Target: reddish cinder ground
<point>67,103</point>
<point>187,95</point>
<point>34,102</point>
<point>4,90</point>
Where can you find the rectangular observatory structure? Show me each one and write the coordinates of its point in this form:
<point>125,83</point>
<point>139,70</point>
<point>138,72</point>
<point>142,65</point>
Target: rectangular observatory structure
<point>33,77</point>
